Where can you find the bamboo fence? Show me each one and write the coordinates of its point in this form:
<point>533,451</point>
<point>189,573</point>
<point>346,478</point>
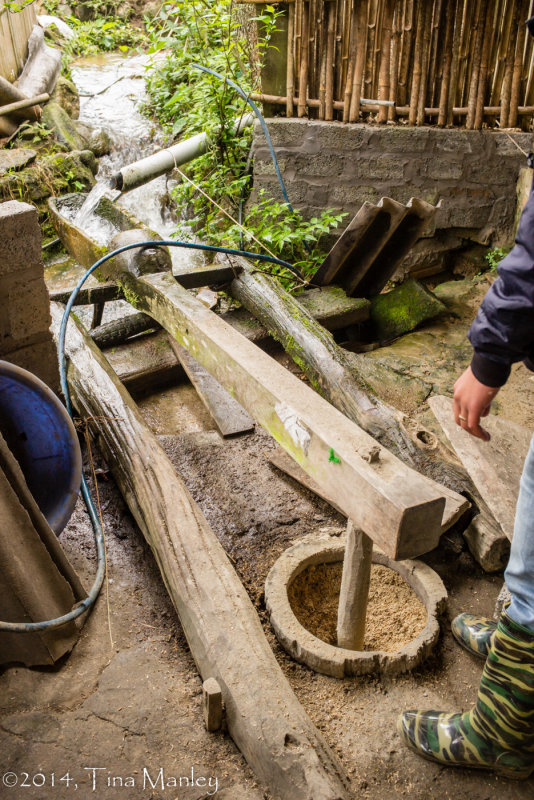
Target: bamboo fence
<point>443,62</point>
<point>15,30</point>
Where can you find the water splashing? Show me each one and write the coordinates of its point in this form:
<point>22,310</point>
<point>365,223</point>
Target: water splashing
<point>96,226</point>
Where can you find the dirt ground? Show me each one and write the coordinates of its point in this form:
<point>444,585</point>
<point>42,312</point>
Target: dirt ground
<point>120,710</point>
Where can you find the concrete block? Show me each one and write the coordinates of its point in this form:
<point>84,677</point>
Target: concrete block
<point>342,138</point>
<point>20,237</point>
<point>505,147</point>
<point>39,358</point>
<point>320,165</point>
<point>497,172</point>
<point>444,169</point>
<point>212,704</point>
<point>282,131</point>
<point>29,311</point>
<point>318,195</point>
<point>400,140</point>
<point>381,168</point>
<point>459,142</point>
<point>265,166</point>
<point>353,196</point>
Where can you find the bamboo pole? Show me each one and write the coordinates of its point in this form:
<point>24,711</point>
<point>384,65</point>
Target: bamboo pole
<point>518,66</point>
<point>455,62</point>
<point>372,90</point>
<point>476,64</point>
<point>484,67</point>
<point>346,34</point>
<point>427,33</point>
<point>290,72</point>
<point>503,33</point>
<point>303,77</point>
<point>394,64</point>
<point>371,43</point>
<point>407,38</point>
<point>509,67</point>
<point>447,62</point>
<point>435,50</point>
<point>351,63</point>
<point>362,24</point>
<point>500,8</point>
<point>465,50</point>
<point>330,46</point>
<point>385,60</point>
<point>401,111</point>
<point>417,66</point>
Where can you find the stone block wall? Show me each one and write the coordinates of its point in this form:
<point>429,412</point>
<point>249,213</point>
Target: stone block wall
<point>472,174</point>
<point>25,338</point>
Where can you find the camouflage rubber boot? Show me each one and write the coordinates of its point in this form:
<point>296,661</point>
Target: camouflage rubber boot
<point>474,633</point>
<point>498,734</point>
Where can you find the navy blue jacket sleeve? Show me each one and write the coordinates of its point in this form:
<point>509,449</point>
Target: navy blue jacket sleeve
<point>503,331</point>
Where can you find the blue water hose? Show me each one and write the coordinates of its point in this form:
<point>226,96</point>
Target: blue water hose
<point>260,118</point>
<point>85,604</point>
<point>265,129</point>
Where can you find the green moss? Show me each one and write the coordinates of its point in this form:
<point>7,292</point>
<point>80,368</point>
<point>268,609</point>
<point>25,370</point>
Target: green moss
<point>129,295</point>
<point>402,310</point>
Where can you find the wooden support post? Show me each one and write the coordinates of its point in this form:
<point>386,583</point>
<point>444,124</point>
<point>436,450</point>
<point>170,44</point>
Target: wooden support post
<point>222,628</point>
<point>354,591</point>
<point>98,313</point>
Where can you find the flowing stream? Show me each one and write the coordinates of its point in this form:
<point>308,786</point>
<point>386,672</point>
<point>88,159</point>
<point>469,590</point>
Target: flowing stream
<point>112,90</point>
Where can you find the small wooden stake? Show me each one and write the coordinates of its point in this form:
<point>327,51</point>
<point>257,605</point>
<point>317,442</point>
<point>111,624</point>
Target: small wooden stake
<point>354,589</point>
<point>212,705</point>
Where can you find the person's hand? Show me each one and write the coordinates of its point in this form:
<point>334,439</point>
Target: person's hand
<point>471,401</point>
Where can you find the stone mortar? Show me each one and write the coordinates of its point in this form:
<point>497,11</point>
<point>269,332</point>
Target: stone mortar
<point>337,661</point>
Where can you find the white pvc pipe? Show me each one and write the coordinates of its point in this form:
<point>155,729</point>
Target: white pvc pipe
<point>146,169</point>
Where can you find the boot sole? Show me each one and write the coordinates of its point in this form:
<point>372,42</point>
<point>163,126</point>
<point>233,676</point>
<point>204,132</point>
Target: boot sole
<point>513,775</point>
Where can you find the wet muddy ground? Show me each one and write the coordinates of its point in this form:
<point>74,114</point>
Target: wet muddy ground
<point>123,712</point>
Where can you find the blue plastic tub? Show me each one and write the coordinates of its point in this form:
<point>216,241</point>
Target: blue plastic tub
<point>41,436</point>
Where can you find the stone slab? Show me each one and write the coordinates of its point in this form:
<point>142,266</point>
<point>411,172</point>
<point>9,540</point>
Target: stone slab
<point>15,159</point>
<point>495,467</point>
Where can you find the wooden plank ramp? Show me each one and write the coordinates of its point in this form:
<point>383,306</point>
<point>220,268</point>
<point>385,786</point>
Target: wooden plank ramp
<point>264,717</point>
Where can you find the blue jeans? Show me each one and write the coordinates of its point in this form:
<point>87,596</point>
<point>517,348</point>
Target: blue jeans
<point>519,574</point>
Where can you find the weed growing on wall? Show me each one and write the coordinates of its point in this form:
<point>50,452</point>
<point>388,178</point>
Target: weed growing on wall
<point>219,35</point>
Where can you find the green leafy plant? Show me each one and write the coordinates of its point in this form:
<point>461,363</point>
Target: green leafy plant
<point>36,133</point>
<point>101,35</point>
<point>495,256</point>
<point>188,101</point>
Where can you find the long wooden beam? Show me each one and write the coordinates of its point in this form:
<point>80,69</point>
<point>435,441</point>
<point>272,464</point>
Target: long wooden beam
<point>398,508</point>
<point>264,717</point>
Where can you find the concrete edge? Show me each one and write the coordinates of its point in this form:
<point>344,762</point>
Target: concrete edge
<point>336,661</point>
